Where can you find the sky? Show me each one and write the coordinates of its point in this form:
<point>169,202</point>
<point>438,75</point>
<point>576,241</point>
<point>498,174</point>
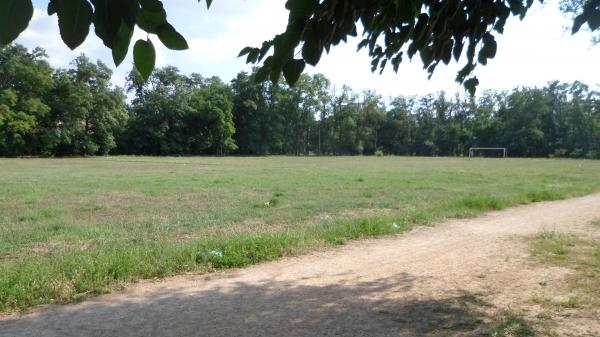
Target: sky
<point>531,52</point>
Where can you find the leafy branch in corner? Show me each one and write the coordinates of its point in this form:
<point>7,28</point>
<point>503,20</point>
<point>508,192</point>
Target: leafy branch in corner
<point>392,31</point>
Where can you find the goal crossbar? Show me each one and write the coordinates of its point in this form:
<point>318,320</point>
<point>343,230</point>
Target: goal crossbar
<point>473,149</point>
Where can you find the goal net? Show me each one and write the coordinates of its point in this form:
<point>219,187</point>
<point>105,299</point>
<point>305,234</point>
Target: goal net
<point>494,152</point>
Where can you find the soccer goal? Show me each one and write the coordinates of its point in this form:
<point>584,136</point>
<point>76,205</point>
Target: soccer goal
<point>498,152</point>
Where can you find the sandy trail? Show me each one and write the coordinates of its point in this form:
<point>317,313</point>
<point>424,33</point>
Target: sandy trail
<point>440,280</point>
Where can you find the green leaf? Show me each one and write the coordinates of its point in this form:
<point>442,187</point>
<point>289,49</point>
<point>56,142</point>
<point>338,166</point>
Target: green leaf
<point>471,85</point>
<point>151,16</point>
<point>594,20</point>
<point>447,51</point>
<point>517,7</point>
<point>362,44</point>
<point>577,23</point>
<point>490,42</point>
<point>457,50</point>
<point>53,6</point>
<point>208,3</point>
<point>488,50</point>
<point>171,38</point>
<point>301,7</point>
<point>426,56</point>
<point>14,18</point>
<point>284,44</point>
<point>396,62</point>
<point>262,74</point>
<point>108,15</point>
<point>74,20</point>
<point>151,5</point>
<point>292,71</point>
<point>464,72</point>
<point>144,57</point>
<point>246,51</point>
<point>406,10</point>
<point>420,27</point>
<point>252,54</point>
<point>275,75</point>
<point>266,46</point>
<point>312,48</point>
<point>121,45</point>
<point>312,51</point>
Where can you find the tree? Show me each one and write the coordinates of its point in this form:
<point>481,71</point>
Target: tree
<point>25,78</point>
<point>397,136</point>
<point>521,118</point>
<point>250,115</point>
<point>174,114</point>
<point>15,125</point>
<point>370,119</point>
<point>344,129</point>
<point>75,111</point>
<point>212,116</point>
<point>86,111</point>
<point>318,98</point>
<point>57,112</point>
<point>436,30</point>
<point>484,123</point>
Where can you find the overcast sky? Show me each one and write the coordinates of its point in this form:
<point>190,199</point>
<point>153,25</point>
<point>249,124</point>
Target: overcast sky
<point>530,53</point>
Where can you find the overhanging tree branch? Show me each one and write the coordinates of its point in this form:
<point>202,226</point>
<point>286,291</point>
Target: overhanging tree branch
<point>392,30</point>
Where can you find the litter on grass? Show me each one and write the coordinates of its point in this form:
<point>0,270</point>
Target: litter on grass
<point>216,253</point>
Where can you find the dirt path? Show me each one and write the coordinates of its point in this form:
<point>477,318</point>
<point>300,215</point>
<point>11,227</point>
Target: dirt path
<point>445,280</point>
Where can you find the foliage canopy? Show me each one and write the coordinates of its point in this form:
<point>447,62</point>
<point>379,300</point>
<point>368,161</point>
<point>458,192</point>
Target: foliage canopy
<point>436,30</point>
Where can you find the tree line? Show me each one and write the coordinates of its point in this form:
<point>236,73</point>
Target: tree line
<point>77,111</point>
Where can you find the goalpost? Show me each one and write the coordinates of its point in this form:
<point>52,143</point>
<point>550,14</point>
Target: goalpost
<point>502,150</point>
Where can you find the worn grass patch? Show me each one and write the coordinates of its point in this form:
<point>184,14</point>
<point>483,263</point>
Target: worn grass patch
<point>74,227</point>
<point>553,247</point>
<point>510,324</point>
<point>580,254</point>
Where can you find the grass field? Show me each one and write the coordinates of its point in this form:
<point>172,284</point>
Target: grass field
<point>74,227</point>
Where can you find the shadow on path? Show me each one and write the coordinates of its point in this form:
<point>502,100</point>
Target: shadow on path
<point>266,308</point>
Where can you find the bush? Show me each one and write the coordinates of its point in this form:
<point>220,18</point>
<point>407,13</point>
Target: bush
<point>378,153</point>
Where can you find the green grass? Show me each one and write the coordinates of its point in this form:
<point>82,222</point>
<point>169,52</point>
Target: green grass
<point>510,324</point>
<point>553,247</point>
<point>582,255</point>
<point>74,227</point>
